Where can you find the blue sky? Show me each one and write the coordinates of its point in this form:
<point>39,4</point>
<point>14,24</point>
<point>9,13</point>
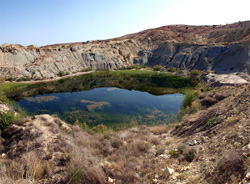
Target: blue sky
<point>43,22</point>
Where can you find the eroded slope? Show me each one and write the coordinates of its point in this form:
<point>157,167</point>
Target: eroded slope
<point>223,48</point>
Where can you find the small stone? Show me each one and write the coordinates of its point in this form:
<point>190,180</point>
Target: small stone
<point>246,150</point>
<point>248,176</point>
<point>185,168</point>
<point>110,180</point>
<point>155,180</point>
<point>171,171</point>
<point>4,156</point>
<point>137,175</point>
<point>156,176</point>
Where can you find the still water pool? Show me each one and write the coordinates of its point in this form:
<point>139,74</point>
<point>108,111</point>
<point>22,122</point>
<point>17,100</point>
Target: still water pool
<point>108,105</point>
<point>118,99</point>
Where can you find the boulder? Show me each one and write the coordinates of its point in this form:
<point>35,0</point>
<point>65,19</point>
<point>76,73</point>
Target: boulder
<point>219,96</point>
<point>208,101</point>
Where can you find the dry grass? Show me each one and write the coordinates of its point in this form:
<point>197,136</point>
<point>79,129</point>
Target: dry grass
<point>194,180</point>
<point>157,130</point>
<point>154,140</point>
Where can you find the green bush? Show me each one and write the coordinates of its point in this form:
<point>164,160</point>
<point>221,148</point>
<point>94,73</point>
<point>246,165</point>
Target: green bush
<point>182,147</point>
<point>160,151</point>
<point>106,136</point>
<point>115,143</point>
<point>61,73</point>
<point>172,69</point>
<point>6,120</point>
<point>86,69</point>
<point>11,79</point>
<point>190,154</point>
<point>137,67</point>
<point>196,72</point>
<point>105,142</point>
<point>211,121</point>
<point>172,153</point>
<point>157,68</point>
<point>180,71</point>
<point>189,98</point>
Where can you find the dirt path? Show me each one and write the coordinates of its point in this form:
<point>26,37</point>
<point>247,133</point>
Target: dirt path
<point>55,79</point>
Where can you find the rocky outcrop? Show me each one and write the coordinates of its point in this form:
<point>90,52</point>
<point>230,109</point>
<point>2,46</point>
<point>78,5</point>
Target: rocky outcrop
<point>220,48</point>
<point>216,80</point>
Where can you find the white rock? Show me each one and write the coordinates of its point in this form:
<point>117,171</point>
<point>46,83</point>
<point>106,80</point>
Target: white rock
<point>185,168</point>
<point>155,180</point>
<point>248,176</point>
<point>110,180</point>
<point>246,149</point>
<point>171,171</point>
<point>3,156</point>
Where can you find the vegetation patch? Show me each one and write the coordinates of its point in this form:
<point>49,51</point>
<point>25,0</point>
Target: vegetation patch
<point>6,120</point>
<point>62,73</point>
<point>211,121</point>
<point>86,69</point>
<point>94,105</point>
<point>41,99</point>
<point>12,86</point>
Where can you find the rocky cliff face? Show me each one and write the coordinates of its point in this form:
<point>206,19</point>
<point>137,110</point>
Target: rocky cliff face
<point>220,48</point>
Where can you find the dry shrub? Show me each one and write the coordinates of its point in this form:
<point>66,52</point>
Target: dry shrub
<point>169,141</point>
<point>11,170</point>
<point>35,167</point>
<point>142,146</point>
<point>76,128</point>
<point>125,135</point>
<point>54,128</point>
<point>94,174</point>
<point>160,151</point>
<point>229,167</point>
<point>195,106</point>
<point>233,119</point>
<point>30,167</point>
<point>22,121</point>
<point>159,129</point>
<point>194,180</point>
<point>76,158</point>
<point>232,162</point>
<point>58,121</point>
<point>154,140</point>
<point>84,166</point>
<point>45,119</point>
<point>6,180</point>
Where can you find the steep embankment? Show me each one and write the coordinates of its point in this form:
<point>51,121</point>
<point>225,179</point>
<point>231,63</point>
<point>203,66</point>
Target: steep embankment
<point>221,48</point>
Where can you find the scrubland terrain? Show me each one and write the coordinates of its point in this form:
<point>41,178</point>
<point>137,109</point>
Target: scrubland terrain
<point>210,145</point>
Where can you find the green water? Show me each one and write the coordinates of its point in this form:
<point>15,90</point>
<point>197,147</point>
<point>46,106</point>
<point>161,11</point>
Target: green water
<point>111,99</point>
